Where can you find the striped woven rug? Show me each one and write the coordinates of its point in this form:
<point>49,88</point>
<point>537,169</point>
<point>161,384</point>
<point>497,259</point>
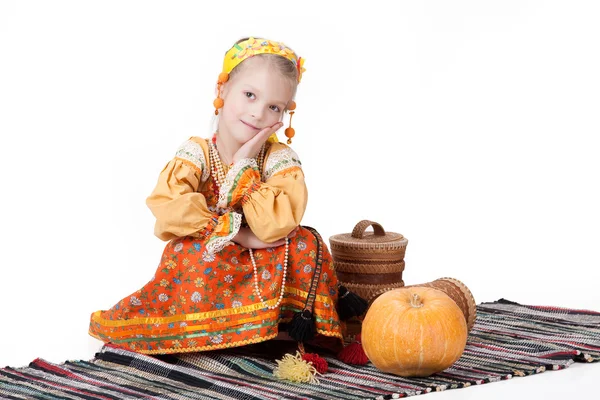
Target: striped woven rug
<point>507,340</point>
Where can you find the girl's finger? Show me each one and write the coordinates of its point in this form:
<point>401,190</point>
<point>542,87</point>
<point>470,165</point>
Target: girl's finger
<point>263,135</point>
<point>266,132</point>
<point>275,127</point>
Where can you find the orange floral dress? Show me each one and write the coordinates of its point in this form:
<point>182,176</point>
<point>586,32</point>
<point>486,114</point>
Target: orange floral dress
<point>204,294</point>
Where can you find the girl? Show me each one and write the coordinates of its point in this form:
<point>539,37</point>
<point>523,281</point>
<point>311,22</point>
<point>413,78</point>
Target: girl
<point>238,268</point>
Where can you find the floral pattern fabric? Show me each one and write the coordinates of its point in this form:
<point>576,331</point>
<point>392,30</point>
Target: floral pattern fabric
<point>204,298</point>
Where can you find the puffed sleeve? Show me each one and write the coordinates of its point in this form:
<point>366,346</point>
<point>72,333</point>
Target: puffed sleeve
<point>273,203</point>
<point>179,208</point>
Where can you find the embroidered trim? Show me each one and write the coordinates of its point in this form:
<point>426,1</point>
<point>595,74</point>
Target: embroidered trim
<point>208,314</point>
<point>216,244</point>
<point>212,347</point>
<point>124,335</point>
<point>255,186</point>
<point>230,183</point>
<point>218,210</point>
<point>280,160</point>
<point>192,152</point>
<point>209,228</point>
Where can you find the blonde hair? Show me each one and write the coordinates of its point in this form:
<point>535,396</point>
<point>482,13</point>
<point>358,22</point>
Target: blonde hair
<point>285,67</point>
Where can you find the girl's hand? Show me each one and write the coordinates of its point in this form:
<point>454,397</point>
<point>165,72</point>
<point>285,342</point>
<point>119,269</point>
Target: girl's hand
<point>246,238</point>
<point>251,148</point>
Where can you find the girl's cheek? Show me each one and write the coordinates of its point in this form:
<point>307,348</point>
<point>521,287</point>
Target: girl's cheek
<point>275,118</point>
<point>231,107</point>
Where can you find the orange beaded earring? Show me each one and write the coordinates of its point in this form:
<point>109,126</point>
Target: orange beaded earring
<point>218,103</point>
<point>290,132</point>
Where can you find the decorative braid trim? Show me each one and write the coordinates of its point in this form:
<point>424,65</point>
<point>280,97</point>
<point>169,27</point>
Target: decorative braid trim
<point>216,244</point>
<point>231,179</point>
<point>192,152</point>
<point>330,334</point>
<point>280,160</point>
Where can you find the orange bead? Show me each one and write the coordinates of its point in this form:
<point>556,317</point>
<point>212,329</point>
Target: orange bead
<point>290,132</point>
<point>218,103</point>
<point>292,106</point>
<point>223,77</point>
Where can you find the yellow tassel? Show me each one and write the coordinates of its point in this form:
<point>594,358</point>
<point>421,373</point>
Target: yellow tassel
<point>295,369</point>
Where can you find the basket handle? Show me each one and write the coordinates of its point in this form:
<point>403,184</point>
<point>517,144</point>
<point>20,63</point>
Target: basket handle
<point>359,230</point>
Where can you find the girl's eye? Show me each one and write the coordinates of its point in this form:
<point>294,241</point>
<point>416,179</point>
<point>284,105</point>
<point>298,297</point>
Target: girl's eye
<point>275,108</point>
<point>249,95</point>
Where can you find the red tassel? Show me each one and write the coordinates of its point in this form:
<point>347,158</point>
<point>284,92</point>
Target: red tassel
<point>354,353</point>
<point>318,362</point>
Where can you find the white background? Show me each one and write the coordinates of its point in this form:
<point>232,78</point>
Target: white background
<point>469,127</point>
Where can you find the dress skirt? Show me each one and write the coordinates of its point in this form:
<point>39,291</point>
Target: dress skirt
<point>199,301</point>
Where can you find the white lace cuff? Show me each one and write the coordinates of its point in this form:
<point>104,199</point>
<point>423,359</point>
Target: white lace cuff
<point>216,242</point>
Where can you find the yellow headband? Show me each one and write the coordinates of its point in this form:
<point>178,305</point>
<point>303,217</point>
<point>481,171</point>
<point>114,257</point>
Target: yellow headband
<point>251,47</point>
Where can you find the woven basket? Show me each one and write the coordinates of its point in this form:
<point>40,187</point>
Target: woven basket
<point>369,263</point>
<point>458,292</point>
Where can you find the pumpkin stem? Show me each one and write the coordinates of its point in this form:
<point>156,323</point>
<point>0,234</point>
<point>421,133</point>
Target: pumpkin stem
<point>415,301</point>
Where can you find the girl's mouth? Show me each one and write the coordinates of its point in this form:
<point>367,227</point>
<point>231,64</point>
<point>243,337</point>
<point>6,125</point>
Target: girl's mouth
<point>251,126</point>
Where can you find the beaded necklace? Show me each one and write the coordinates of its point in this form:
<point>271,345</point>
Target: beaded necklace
<point>218,174</point>
<point>257,289</point>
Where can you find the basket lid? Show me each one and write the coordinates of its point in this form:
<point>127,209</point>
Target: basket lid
<point>359,238</point>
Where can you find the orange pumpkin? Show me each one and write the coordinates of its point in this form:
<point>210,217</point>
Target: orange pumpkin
<point>414,331</point>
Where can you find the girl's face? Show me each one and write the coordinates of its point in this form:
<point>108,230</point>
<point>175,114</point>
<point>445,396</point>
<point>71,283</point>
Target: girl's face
<point>254,99</point>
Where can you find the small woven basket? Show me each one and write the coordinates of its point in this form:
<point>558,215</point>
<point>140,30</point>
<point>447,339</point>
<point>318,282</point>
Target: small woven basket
<point>458,292</point>
<point>369,263</point>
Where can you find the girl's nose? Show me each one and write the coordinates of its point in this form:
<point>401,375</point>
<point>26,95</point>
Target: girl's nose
<point>257,111</point>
